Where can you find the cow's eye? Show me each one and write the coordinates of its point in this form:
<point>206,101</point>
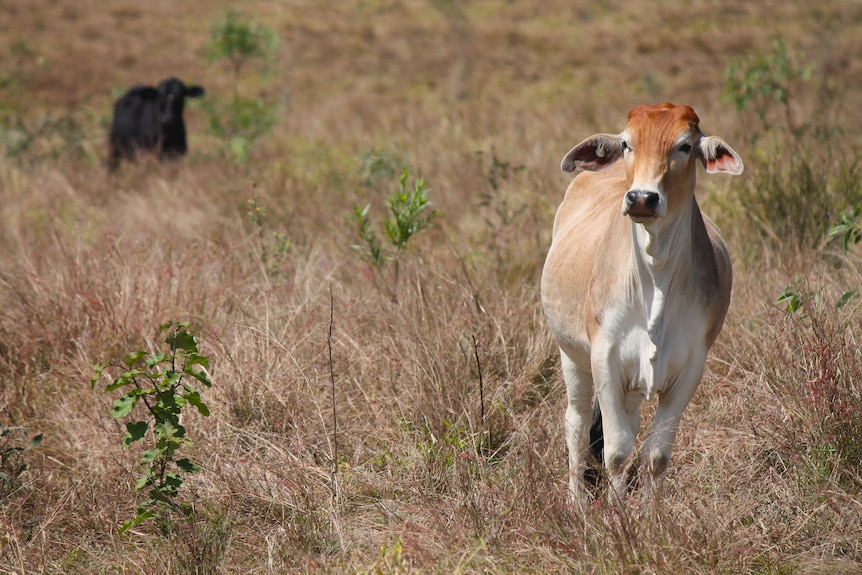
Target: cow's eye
<point>685,148</point>
<point>624,145</point>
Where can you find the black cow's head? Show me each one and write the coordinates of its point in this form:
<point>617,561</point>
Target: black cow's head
<point>172,95</point>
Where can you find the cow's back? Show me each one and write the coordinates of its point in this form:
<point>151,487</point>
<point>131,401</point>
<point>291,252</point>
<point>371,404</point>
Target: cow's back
<point>136,121</point>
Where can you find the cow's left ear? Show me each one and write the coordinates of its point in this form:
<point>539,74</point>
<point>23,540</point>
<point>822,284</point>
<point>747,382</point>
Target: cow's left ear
<point>194,91</point>
<point>718,157</point>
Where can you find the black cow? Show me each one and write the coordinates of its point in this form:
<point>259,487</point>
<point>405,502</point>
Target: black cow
<point>150,119</point>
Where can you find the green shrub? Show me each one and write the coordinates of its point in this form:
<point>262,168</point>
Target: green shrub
<point>762,79</point>
<point>409,210</point>
<point>241,120</point>
<point>239,43</point>
<point>159,381</point>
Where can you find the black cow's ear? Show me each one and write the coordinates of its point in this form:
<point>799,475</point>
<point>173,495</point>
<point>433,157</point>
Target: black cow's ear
<point>194,91</point>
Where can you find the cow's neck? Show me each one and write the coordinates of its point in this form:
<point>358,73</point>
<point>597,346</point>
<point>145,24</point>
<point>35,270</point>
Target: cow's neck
<point>661,250</point>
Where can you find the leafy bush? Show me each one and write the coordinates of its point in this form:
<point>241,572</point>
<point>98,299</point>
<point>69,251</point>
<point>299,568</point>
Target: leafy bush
<point>409,210</point>
<point>242,120</point>
<point>273,246</point>
<point>160,382</point>
<point>239,42</point>
<point>764,78</point>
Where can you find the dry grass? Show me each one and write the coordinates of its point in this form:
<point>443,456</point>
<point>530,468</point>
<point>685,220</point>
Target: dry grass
<point>766,478</point>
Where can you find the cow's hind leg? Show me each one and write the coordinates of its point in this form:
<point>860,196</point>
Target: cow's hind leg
<point>593,472</point>
<point>579,392</point>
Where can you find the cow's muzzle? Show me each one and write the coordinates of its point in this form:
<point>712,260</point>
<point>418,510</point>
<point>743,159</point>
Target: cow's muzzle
<point>641,204</point>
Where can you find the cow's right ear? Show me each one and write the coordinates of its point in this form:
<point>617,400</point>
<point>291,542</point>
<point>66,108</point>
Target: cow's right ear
<point>593,154</point>
<point>194,91</point>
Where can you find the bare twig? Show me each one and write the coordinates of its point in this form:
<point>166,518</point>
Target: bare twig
<point>481,384</point>
<point>334,467</point>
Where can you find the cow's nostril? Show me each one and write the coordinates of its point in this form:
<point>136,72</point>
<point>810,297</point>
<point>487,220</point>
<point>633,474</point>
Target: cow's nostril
<point>631,198</point>
<point>650,200</point>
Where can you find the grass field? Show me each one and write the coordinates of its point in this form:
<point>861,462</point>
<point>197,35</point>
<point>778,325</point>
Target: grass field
<point>444,452</point>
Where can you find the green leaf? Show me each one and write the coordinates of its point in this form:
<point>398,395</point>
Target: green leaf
<point>135,432</point>
<point>194,398</point>
<point>134,357</point>
<point>166,429</point>
<point>150,455</point>
<point>195,359</point>
<point>141,517</point>
<point>174,481</point>
<point>167,403</point>
<point>99,368</point>
<point>143,482</point>
<point>123,406</point>
<point>847,298</point>
<point>156,359</point>
<point>792,301</point>
<point>187,465</point>
<point>200,376</point>
<point>182,340</point>
<point>124,379</point>
<point>171,379</point>
<point>34,442</point>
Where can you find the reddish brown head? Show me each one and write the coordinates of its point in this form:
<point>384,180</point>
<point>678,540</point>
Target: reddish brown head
<point>659,146</point>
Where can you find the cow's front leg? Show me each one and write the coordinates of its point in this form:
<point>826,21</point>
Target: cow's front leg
<point>579,393</point>
<point>621,421</point>
<point>661,435</point>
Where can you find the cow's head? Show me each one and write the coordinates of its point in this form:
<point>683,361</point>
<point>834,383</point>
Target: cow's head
<point>659,146</point>
<point>172,95</point>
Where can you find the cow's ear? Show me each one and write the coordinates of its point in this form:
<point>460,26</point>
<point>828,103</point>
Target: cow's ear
<point>718,157</point>
<point>593,154</point>
<point>194,91</point>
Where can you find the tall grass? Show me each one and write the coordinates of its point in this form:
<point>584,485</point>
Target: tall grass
<point>257,255</point>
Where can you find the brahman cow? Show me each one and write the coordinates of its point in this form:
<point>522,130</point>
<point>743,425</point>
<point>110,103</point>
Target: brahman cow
<point>149,118</point>
<point>635,288</point>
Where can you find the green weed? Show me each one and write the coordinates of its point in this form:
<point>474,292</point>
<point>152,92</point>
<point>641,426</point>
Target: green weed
<point>160,381</point>
<point>274,246</point>
<point>242,120</point>
<point>410,214</point>
<point>763,78</point>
